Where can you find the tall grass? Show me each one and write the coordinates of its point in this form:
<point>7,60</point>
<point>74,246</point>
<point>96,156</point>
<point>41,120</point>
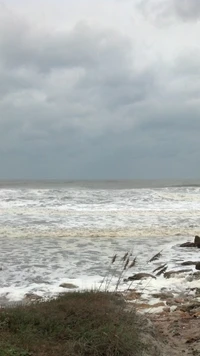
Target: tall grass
<point>93,323</point>
<point>121,266</point>
<point>75,324</point>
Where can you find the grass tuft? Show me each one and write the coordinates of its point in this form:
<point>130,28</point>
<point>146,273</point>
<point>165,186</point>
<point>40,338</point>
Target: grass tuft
<point>75,324</point>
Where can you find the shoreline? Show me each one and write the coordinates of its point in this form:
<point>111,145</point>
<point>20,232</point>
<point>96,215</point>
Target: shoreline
<point>167,332</point>
<point>172,271</point>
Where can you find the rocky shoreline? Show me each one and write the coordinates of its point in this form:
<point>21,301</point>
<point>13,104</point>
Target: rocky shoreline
<point>174,317</point>
<point>173,322</point>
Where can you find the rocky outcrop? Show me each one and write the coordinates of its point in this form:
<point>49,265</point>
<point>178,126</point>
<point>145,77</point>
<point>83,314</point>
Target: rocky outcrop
<point>189,263</point>
<point>197,241</point>
<point>190,308</point>
<point>31,297</point>
<point>68,285</point>
<point>163,296</point>
<point>188,244</point>
<point>139,276</point>
<point>171,274</point>
<point>197,265</point>
<point>133,295</point>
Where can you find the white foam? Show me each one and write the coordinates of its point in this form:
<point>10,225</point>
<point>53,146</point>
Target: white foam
<point>50,236</point>
<point>78,212</point>
<point>41,265</point>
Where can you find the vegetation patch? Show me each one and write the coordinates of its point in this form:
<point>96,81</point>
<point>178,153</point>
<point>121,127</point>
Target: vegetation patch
<point>75,324</point>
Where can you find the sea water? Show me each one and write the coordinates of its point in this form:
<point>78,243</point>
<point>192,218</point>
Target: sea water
<point>54,232</point>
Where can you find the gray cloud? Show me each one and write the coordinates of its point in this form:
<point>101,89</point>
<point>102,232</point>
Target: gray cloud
<point>166,10</point>
<point>73,104</point>
<point>187,9</point>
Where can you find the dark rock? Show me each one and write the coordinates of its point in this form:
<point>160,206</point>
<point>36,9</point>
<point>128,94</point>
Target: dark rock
<point>133,296</point>
<point>166,310</point>
<point>32,297</point>
<point>188,244</point>
<point>68,285</point>
<point>171,302</point>
<point>139,276</point>
<point>163,296</point>
<point>171,274</point>
<point>149,306</point>
<point>175,301</point>
<point>198,265</point>
<point>189,307</point>
<point>197,241</point>
<point>189,263</point>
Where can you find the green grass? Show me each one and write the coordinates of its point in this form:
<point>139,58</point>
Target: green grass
<point>75,324</point>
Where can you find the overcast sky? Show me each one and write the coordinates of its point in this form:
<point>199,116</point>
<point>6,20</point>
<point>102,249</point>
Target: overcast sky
<point>94,89</point>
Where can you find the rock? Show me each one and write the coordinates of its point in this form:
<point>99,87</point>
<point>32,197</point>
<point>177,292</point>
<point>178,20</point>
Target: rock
<point>68,285</point>
<point>197,266</point>
<point>196,314</point>
<point>179,300</point>
<point>163,296</point>
<point>167,309</point>
<point>139,276</point>
<point>191,307</point>
<point>32,297</point>
<point>188,244</point>
<point>189,263</point>
<point>197,241</point>
<point>171,302</point>
<point>171,274</point>
<point>149,306</point>
<point>133,296</point>
<point>192,339</point>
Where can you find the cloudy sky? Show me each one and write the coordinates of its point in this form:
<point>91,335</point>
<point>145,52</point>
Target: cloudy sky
<point>99,89</point>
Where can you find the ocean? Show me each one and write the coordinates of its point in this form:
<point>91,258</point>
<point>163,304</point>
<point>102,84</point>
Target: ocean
<point>54,232</point>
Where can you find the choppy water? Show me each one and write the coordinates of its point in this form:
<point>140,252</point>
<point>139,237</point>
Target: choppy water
<point>55,232</point>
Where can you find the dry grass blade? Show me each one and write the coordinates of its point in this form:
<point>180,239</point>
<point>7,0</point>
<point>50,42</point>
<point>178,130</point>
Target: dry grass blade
<point>132,264</point>
<point>126,263</point>
<point>106,280</point>
<point>161,271</point>
<point>125,256</point>
<point>114,259</point>
<point>155,257</point>
<point>160,267</point>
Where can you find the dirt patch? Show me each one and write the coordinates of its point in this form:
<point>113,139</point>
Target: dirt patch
<point>181,330</point>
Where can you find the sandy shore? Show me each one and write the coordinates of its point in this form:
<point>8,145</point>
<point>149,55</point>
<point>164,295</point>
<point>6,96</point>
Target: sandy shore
<point>173,324</point>
<point>179,332</point>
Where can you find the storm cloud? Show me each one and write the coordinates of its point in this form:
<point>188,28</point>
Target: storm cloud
<point>95,102</point>
<point>184,10</point>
